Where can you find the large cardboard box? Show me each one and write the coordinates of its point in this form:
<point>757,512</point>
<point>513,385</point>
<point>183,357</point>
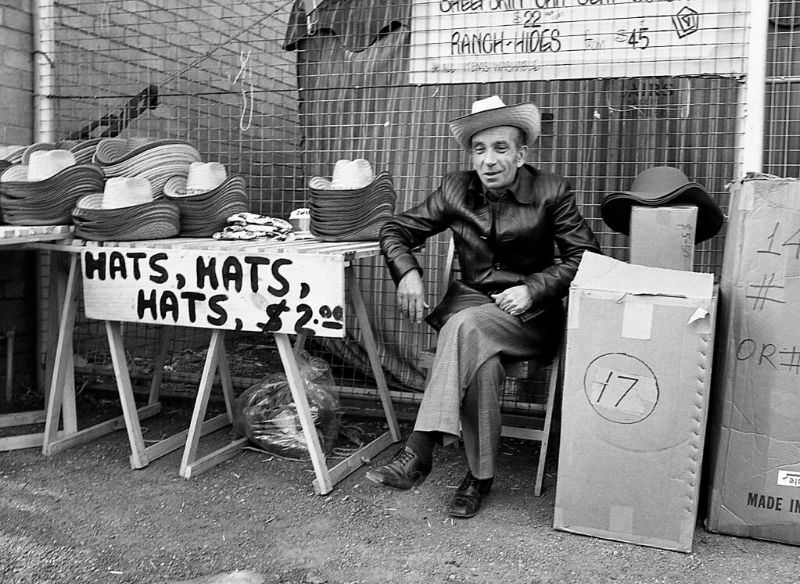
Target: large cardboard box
<point>663,237</point>
<point>755,426</point>
<point>638,361</point>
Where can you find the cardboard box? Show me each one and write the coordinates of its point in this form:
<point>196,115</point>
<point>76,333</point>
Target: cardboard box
<point>754,449</point>
<point>663,237</point>
<point>638,361</point>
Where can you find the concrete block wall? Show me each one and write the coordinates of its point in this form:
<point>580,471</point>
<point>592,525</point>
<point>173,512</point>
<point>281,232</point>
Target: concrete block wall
<point>16,77</point>
<point>18,304</point>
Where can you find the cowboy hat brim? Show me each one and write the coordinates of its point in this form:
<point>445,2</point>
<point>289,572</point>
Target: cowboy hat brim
<point>524,116</point>
<point>616,208</point>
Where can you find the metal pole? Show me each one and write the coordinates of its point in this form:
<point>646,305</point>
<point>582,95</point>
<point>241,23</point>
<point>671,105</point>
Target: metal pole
<point>44,130</point>
<point>44,52</point>
<point>755,90</point>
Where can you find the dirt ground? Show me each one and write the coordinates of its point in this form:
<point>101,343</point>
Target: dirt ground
<point>83,516</point>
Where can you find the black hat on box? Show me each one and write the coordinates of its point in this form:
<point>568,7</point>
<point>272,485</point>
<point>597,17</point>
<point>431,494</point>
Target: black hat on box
<point>663,186</point>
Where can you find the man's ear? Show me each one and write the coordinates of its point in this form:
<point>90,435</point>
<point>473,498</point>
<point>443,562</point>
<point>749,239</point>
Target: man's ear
<point>521,154</point>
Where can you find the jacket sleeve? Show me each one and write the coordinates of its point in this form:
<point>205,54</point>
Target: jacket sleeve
<point>573,236</point>
<point>410,229</point>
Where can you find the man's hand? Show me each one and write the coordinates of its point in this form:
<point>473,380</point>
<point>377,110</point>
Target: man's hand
<point>514,300</point>
<point>411,296</point>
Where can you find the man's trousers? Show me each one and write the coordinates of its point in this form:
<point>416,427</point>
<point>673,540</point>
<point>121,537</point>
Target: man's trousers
<point>462,396</point>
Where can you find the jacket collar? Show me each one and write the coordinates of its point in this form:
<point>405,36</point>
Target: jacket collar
<point>521,190</point>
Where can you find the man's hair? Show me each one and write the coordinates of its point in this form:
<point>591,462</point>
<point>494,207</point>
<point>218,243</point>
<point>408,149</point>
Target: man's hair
<point>520,139</point>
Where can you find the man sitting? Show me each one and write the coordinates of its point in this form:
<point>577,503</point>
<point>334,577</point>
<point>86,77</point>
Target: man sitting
<point>505,216</point>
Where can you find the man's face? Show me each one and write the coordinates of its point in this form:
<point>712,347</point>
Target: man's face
<point>496,156</point>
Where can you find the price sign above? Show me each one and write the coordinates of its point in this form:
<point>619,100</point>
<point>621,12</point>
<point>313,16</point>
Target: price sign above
<point>467,41</point>
<point>280,293</point>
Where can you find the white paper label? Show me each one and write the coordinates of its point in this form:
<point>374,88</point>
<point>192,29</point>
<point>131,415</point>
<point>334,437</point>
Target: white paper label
<point>789,478</point>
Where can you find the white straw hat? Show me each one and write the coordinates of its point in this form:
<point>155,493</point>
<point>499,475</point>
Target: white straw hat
<point>42,164</point>
<point>492,112</point>
<point>347,175</point>
<point>123,191</point>
<point>204,177</point>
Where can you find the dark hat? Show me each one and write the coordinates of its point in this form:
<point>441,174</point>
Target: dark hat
<point>663,186</point>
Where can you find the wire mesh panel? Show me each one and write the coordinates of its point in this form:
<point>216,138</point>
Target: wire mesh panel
<point>782,126</point>
<point>279,91</point>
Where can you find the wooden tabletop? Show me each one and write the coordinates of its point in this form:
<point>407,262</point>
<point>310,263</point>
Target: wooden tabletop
<point>17,234</point>
<point>350,249</point>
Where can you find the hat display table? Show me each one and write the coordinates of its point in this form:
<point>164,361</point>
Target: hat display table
<point>13,237</point>
<point>279,288</point>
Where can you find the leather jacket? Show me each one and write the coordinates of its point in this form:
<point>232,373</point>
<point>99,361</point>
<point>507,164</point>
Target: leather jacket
<point>499,243</point>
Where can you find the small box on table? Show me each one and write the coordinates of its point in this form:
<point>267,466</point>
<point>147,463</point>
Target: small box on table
<point>754,446</point>
<point>638,362</point>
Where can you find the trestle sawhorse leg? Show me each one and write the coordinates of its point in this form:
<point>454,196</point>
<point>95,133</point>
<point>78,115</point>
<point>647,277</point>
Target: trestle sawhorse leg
<point>216,360</point>
<point>62,385</point>
<point>326,478</point>
<point>141,456</point>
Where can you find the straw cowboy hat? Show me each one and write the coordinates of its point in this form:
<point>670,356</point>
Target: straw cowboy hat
<point>663,186</point>
<point>155,160</point>
<point>347,175</point>
<point>353,205</point>
<point>125,211</point>
<point>12,153</point>
<point>204,177</point>
<point>45,189</point>
<point>39,166</point>
<point>492,112</point>
<point>206,197</point>
<point>120,192</point>
<point>42,164</point>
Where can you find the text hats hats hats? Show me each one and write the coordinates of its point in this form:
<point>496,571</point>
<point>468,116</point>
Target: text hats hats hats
<point>492,112</point>
<point>658,187</point>
<point>347,175</point>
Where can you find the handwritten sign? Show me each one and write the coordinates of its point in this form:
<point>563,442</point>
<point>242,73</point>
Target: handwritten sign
<point>280,293</point>
<point>467,41</point>
<point>621,388</point>
<point>769,287</point>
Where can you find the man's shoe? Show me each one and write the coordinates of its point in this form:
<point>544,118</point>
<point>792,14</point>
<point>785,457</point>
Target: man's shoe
<point>467,499</point>
<point>404,471</point>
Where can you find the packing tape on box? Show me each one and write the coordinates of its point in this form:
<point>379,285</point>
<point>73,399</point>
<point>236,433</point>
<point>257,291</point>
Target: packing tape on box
<point>637,320</point>
<point>574,309</point>
<point>746,198</point>
<point>702,317</point>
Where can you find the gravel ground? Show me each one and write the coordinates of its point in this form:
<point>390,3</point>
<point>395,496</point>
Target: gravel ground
<point>83,516</point>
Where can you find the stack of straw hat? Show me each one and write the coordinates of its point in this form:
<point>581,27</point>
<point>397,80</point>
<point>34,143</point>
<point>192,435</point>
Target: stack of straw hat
<point>353,205</point>
<point>206,197</point>
<point>45,186</point>
<point>154,160</point>
<point>83,149</point>
<point>125,211</point>
<point>10,155</point>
